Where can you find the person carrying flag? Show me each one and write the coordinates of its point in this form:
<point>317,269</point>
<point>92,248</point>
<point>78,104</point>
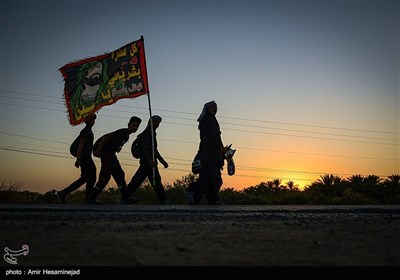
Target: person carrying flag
<point>147,164</point>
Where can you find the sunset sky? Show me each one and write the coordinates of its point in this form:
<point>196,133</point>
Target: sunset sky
<point>304,88</point>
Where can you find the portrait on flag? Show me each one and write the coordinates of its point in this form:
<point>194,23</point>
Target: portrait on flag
<point>102,80</point>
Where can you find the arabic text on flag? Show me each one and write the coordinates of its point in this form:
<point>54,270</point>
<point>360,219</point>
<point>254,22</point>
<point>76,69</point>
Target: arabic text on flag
<point>99,81</point>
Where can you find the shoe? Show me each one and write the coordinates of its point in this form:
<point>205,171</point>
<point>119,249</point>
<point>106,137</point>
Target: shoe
<point>61,196</point>
<point>123,191</point>
<point>189,197</point>
<point>94,201</point>
<point>92,198</point>
<point>216,202</point>
<point>198,199</point>
<point>130,200</point>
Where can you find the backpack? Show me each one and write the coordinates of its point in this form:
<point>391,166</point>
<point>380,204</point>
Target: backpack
<point>73,149</point>
<point>196,164</point>
<point>136,148</point>
<point>97,143</point>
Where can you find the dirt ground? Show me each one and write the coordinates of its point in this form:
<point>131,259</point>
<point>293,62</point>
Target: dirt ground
<point>139,235</point>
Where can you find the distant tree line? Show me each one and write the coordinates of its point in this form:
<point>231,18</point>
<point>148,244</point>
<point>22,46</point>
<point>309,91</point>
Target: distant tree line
<point>328,189</point>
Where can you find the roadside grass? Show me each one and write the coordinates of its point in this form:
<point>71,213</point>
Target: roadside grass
<point>320,192</point>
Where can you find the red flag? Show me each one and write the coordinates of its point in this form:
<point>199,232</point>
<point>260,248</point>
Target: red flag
<point>102,80</point>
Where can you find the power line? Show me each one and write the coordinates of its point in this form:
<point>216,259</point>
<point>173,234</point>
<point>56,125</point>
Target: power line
<point>235,118</point>
<point>249,168</point>
<point>282,129</point>
<point>254,149</point>
<point>34,100</point>
<point>135,165</point>
<point>187,163</point>
<point>246,148</point>
<point>316,154</point>
<point>234,124</point>
<point>33,94</point>
<point>32,107</point>
<point>239,130</point>
<point>34,153</point>
<point>34,138</point>
<point>255,169</point>
<point>247,125</point>
<point>180,170</point>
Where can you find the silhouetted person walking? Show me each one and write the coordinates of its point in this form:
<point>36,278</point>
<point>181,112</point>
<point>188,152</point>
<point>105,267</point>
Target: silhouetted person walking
<point>147,164</point>
<point>211,155</point>
<point>82,149</point>
<point>108,146</point>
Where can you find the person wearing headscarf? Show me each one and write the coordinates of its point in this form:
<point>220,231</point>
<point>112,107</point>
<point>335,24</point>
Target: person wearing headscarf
<point>147,164</point>
<point>211,154</point>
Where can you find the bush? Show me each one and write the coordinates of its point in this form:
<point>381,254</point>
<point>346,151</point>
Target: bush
<point>351,197</point>
<point>329,189</point>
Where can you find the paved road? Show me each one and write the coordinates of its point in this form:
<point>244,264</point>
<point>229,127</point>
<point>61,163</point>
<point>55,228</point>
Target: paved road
<point>183,235</point>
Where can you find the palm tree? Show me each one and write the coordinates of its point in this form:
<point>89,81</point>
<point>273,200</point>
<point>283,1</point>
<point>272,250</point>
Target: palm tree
<point>393,179</point>
<point>276,183</point>
<point>291,186</point>
<point>260,189</point>
<point>368,185</point>
<point>329,184</point>
<point>271,187</point>
<point>392,184</point>
<point>326,180</point>
<point>356,182</point>
<point>373,186</point>
<point>372,180</point>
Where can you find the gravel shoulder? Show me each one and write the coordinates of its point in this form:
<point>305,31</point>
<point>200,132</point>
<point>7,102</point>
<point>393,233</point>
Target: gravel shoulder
<point>184,235</point>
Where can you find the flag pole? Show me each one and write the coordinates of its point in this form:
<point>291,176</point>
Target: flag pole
<point>152,142</point>
<point>152,130</point>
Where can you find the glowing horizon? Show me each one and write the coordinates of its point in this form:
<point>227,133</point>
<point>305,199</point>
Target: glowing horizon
<point>303,88</point>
